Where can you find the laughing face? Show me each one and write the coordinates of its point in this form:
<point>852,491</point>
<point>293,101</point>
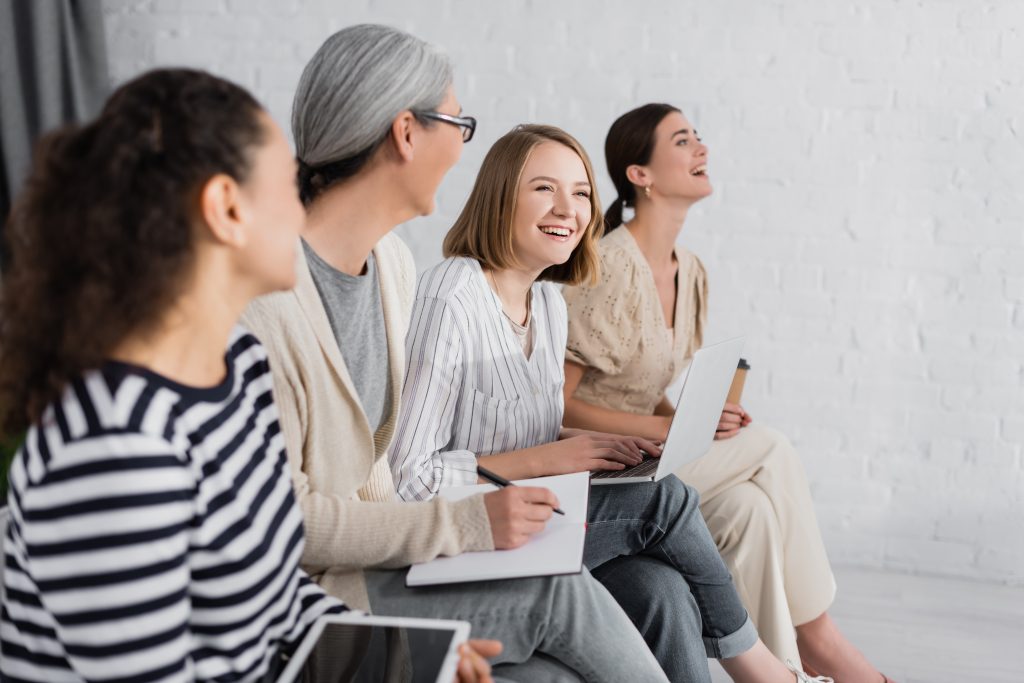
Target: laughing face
<point>553,207</point>
<point>678,167</point>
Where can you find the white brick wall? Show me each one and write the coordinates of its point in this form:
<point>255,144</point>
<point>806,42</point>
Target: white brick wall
<point>866,232</point>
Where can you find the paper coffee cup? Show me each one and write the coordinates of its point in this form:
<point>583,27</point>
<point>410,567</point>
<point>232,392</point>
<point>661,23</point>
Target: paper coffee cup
<point>736,390</point>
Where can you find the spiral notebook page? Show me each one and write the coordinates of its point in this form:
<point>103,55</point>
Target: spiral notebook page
<point>556,550</point>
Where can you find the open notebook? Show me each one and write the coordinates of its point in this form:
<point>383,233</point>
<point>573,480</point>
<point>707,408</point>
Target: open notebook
<point>556,550</point>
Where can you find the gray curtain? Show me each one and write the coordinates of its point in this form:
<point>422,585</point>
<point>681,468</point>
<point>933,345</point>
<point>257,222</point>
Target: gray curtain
<point>53,70</point>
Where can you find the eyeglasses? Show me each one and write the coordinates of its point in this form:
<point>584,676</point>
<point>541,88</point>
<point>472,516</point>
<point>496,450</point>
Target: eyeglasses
<point>466,123</point>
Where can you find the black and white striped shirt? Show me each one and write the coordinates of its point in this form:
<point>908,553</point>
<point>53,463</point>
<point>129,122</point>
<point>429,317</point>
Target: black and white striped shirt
<point>154,534</point>
<point>469,389</point>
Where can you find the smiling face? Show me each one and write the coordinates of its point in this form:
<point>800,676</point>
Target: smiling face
<point>553,207</point>
<point>678,165</point>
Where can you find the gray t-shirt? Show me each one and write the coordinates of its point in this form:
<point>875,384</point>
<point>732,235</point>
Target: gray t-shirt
<point>356,314</point>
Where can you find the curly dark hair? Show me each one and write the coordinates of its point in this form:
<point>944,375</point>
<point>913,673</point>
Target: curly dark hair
<point>101,237</point>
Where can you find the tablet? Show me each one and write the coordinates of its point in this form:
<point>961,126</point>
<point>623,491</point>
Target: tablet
<point>357,648</point>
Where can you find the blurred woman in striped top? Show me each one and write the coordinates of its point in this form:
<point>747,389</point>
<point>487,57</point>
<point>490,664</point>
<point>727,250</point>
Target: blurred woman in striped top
<point>154,534</point>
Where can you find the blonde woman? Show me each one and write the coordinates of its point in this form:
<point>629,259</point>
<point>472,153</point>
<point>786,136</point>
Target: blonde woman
<point>485,351</point>
<point>630,336</point>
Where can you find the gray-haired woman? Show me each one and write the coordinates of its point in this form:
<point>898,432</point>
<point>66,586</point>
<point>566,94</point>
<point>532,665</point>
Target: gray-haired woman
<point>377,125</point>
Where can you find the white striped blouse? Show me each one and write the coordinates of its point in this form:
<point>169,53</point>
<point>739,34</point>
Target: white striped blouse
<point>469,389</point>
<point>154,534</point>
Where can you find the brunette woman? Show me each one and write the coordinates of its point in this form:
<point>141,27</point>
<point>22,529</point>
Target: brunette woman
<point>630,336</point>
<point>154,533</point>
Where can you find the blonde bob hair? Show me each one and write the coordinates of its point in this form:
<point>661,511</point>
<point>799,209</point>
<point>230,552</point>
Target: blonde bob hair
<point>483,231</point>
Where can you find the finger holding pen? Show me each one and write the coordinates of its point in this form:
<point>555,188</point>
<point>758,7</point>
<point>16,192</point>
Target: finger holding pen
<point>541,503</point>
<point>502,482</point>
<point>516,513</point>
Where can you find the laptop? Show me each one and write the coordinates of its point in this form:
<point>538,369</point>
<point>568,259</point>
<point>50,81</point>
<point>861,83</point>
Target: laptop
<point>698,410</point>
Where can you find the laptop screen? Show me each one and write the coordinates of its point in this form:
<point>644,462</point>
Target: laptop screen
<point>350,653</point>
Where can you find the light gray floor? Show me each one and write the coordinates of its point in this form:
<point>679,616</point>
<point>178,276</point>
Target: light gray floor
<point>928,630</point>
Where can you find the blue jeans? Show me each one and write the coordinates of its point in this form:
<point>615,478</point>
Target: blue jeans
<point>648,544</point>
<point>571,620</point>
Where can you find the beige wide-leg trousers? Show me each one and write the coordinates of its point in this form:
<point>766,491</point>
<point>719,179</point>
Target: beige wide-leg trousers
<point>757,504</point>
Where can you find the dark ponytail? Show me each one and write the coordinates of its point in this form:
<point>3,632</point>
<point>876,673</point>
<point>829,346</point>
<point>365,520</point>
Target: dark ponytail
<point>314,180</point>
<point>630,141</point>
<point>101,237</point>
<point>613,214</point>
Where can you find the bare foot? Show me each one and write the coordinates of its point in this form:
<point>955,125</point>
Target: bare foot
<point>824,648</point>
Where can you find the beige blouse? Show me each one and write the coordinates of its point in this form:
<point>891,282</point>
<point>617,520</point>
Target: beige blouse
<point>617,329</point>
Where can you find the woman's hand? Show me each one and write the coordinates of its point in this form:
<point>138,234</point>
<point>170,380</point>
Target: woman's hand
<point>734,417</point>
<point>584,451</point>
<point>577,450</point>
<point>518,512</point>
<point>473,666</point>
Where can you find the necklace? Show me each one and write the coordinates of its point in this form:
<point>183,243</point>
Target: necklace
<point>529,299</point>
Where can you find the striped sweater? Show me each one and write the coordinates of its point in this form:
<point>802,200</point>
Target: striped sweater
<point>154,533</point>
<point>469,389</point>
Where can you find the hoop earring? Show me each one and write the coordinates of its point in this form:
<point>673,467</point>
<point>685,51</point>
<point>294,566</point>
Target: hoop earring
<point>647,191</point>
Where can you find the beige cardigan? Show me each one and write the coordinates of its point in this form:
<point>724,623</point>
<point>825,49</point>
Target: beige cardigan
<point>353,520</point>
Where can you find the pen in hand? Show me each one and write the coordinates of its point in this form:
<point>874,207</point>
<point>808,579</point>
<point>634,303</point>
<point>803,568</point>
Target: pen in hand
<point>502,482</point>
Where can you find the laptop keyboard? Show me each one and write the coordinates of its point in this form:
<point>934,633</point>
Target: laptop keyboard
<point>645,469</point>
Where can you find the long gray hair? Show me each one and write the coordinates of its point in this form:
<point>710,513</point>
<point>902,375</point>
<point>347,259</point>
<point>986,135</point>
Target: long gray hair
<point>352,89</point>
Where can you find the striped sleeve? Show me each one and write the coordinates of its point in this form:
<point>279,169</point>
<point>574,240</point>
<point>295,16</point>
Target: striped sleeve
<point>420,462</point>
<point>98,563</point>
<point>154,535</point>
